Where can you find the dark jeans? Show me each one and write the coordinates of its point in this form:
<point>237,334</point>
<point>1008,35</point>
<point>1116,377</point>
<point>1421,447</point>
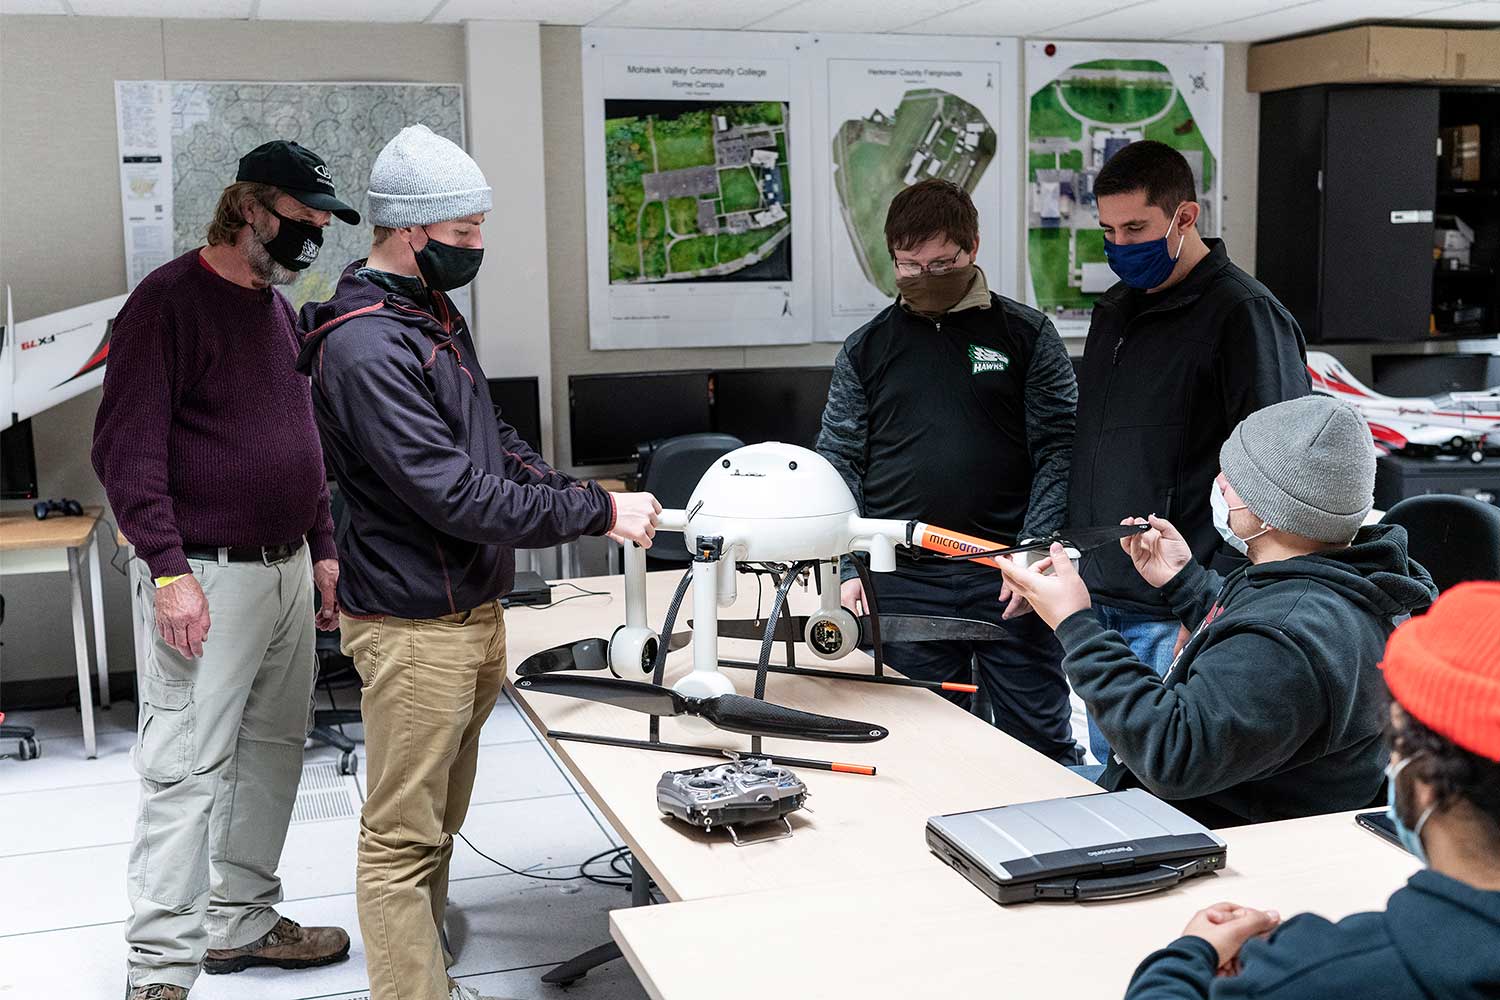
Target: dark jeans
<point>1021,674</point>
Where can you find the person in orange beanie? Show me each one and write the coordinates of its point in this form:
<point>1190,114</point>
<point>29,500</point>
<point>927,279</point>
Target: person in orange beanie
<point>1439,936</point>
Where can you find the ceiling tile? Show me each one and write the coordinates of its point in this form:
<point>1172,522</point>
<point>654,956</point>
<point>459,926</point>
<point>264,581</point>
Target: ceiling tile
<point>680,14</point>
<point>545,11</point>
<point>1486,11</point>
<point>1307,16</point>
<point>344,10</point>
<point>31,7</point>
<point>1154,19</point>
<point>1008,17</point>
<point>234,9</point>
<point>852,15</point>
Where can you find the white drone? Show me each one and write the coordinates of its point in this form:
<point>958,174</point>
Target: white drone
<point>778,503</point>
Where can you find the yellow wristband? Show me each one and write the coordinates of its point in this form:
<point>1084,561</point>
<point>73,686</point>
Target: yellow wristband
<point>166,581</point>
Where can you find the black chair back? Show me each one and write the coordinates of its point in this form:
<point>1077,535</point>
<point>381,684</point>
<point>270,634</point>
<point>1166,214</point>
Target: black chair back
<point>670,470</point>
<point>1456,538</point>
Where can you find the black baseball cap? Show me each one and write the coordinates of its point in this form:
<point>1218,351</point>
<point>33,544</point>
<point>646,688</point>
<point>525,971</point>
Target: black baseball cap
<point>299,172</point>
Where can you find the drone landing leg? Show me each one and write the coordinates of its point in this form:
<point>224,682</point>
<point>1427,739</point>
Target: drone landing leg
<point>575,969</point>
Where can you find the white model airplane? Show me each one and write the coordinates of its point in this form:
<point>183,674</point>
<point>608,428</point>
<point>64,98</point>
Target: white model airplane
<point>50,359</point>
<point>782,506</point>
<point>1456,423</point>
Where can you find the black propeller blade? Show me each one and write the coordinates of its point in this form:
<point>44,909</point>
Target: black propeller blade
<point>584,654</point>
<point>731,712</point>
<point>1082,539</point>
<point>893,628</point>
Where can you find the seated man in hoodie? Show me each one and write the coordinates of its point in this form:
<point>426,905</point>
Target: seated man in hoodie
<point>1440,935</point>
<point>1272,708</point>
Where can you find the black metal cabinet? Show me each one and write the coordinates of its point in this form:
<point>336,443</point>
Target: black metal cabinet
<point>1348,181</point>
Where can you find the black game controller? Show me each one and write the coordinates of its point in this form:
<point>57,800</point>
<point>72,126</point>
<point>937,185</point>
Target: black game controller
<point>65,507</point>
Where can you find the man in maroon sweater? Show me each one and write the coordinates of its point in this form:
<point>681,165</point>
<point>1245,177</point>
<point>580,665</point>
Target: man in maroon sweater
<point>206,446</point>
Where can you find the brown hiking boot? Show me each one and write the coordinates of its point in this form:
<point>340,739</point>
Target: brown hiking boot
<point>158,991</point>
<point>288,945</point>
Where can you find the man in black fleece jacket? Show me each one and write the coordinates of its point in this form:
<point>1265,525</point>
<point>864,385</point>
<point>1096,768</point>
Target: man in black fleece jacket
<point>1272,708</point>
<point>1439,937</point>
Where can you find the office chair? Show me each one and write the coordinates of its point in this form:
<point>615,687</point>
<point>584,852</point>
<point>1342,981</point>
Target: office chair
<point>1456,538</point>
<point>670,469</point>
<point>27,748</point>
<point>334,671</point>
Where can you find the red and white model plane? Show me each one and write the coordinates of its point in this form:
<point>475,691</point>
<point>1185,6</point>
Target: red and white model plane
<point>1455,423</point>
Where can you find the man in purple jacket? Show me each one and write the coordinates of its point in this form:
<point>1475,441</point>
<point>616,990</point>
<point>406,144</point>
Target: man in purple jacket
<point>439,495</point>
<point>207,449</point>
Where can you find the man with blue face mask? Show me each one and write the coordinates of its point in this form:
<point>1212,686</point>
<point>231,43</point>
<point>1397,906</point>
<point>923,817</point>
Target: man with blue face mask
<point>1272,709</point>
<point>1439,935</point>
<point>1184,347</point>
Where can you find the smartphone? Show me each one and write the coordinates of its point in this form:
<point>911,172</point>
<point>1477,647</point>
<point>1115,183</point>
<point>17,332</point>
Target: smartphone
<point>1380,824</point>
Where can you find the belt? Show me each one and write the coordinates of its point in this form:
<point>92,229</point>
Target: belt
<point>267,554</point>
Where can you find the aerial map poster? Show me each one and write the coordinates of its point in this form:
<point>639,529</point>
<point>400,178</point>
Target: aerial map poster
<point>1084,101</point>
<point>695,155</point>
<point>894,116</point>
<point>180,144</point>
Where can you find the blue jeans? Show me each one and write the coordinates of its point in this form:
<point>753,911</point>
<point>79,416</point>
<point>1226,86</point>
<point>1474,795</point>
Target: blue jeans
<point>1152,640</point>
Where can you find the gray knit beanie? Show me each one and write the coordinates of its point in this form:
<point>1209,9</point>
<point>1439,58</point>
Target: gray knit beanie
<point>420,178</point>
<point>1305,466</point>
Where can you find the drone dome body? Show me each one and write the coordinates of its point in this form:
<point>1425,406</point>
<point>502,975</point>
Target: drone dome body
<point>773,502</point>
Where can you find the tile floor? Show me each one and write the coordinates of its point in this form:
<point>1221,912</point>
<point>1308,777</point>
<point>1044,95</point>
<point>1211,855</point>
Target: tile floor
<point>65,825</point>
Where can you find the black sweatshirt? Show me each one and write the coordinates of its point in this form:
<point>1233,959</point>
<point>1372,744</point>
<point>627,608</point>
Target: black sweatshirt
<point>439,492</point>
<point>965,421</point>
<point>1273,708</point>
<point>1438,939</point>
<point>1164,380</point>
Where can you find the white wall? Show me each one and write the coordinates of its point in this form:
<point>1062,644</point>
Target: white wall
<point>61,243</point>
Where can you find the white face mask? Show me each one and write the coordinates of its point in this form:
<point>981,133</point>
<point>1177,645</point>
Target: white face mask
<point>1221,510</point>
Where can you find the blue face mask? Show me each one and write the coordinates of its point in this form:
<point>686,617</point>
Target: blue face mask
<point>1144,265</point>
<point>1411,837</point>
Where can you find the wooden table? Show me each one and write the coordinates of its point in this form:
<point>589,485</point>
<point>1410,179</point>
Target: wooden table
<point>55,546</point>
<point>929,933</point>
<point>938,759</point>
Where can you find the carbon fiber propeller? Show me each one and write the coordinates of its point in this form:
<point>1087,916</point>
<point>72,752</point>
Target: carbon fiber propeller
<point>583,654</point>
<point>731,712</point>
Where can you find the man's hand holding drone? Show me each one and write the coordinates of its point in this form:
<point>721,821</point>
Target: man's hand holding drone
<point>1055,596</point>
<point>635,518</point>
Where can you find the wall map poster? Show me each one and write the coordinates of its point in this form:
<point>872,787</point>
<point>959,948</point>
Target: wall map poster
<point>1084,102</point>
<point>892,115</point>
<point>695,148</point>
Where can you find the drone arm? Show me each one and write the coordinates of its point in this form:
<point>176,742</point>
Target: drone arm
<point>879,537</point>
<point>637,614</point>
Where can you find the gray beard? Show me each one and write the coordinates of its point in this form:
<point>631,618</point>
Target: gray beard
<point>261,264</point>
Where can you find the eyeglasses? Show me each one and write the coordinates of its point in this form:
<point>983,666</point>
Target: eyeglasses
<point>910,268</point>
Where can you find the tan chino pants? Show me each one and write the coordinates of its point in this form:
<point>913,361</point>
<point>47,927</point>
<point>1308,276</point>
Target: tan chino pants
<point>429,685</point>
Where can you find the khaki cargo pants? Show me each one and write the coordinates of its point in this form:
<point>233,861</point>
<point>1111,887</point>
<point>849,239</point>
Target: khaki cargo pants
<point>429,685</point>
<point>219,752</point>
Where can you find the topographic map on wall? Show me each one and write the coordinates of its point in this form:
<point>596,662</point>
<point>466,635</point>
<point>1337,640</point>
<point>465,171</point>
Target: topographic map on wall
<point>180,144</point>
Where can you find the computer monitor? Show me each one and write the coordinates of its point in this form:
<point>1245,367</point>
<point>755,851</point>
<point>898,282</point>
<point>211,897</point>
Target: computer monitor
<point>611,414</point>
<point>17,463</point>
<point>518,402</point>
<point>771,404</point>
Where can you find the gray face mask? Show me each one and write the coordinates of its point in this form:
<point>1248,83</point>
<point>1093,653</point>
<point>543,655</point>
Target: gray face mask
<point>1221,510</point>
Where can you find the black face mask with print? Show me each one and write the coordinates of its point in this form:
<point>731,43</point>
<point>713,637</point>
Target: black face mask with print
<point>296,244</point>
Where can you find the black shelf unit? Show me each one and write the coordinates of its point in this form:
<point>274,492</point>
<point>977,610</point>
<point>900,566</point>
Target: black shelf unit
<point>1350,191</point>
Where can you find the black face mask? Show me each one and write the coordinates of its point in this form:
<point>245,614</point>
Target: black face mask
<point>296,243</point>
<point>446,267</point>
